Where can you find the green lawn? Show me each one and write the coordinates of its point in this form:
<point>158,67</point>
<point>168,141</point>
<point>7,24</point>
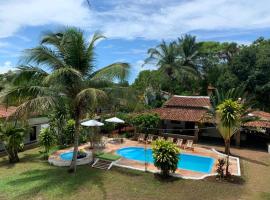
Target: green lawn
<point>33,178</point>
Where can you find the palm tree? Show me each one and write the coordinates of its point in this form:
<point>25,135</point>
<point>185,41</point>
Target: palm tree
<point>176,59</point>
<point>12,138</point>
<point>71,78</point>
<point>228,116</point>
<point>188,49</point>
<point>165,56</point>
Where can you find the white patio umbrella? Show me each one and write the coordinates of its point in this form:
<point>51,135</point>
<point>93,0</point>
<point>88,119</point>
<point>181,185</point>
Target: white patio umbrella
<point>115,120</point>
<point>92,123</point>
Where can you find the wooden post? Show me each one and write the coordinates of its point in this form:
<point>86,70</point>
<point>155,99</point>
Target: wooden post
<point>196,134</point>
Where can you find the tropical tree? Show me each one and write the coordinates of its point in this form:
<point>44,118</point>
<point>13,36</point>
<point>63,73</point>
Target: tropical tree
<point>165,155</point>
<point>46,139</point>
<point>71,76</point>
<point>12,137</point>
<point>228,116</point>
<point>188,50</point>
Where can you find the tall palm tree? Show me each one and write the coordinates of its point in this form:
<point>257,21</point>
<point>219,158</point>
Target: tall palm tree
<point>188,49</point>
<point>165,56</point>
<point>71,77</point>
<point>176,59</point>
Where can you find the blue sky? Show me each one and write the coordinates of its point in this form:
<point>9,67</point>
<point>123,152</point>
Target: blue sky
<point>131,26</point>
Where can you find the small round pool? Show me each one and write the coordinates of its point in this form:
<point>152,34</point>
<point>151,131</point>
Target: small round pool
<point>190,162</point>
<point>67,155</point>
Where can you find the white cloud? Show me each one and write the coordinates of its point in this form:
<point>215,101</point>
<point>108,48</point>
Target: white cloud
<point>16,14</point>
<point>140,66</point>
<point>149,19</point>
<point>7,66</point>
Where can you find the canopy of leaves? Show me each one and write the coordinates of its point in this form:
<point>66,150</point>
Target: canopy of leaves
<point>166,156</point>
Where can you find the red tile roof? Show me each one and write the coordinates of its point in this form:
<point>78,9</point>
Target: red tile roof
<point>263,122</point>
<point>180,114</point>
<point>263,115</point>
<point>6,112</point>
<point>188,101</point>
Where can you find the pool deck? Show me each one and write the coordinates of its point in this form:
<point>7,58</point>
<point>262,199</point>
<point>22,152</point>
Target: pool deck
<point>186,174</point>
<point>234,162</point>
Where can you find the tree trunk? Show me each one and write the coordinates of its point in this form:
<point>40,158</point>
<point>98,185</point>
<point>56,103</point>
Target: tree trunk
<point>227,151</point>
<point>73,165</point>
<point>13,155</point>
<point>227,146</point>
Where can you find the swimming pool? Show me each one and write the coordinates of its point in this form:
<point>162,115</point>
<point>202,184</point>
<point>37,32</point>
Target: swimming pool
<point>190,162</point>
<point>67,155</point>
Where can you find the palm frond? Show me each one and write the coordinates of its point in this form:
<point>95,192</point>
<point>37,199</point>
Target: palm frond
<point>90,97</point>
<point>35,106</point>
<point>63,75</point>
<point>26,74</point>
<point>115,71</point>
<point>45,56</point>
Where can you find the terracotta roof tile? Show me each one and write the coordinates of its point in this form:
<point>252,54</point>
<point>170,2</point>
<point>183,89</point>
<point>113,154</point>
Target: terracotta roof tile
<point>180,114</point>
<point>6,112</point>
<point>263,115</point>
<point>188,101</point>
<point>262,124</point>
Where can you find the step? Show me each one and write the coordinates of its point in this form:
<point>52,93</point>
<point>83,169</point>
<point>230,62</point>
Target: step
<point>102,164</point>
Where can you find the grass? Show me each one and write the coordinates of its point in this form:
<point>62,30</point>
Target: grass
<point>108,156</point>
<point>34,178</point>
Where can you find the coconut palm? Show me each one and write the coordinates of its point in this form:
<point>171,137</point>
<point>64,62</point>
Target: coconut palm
<point>188,49</point>
<point>71,78</point>
<point>176,59</point>
<point>165,56</point>
<point>12,137</point>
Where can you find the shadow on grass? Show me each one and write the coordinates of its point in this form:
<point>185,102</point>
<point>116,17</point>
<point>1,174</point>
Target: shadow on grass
<point>57,181</point>
<point>168,179</point>
<point>129,172</point>
<point>24,158</point>
<point>254,161</point>
<point>232,180</point>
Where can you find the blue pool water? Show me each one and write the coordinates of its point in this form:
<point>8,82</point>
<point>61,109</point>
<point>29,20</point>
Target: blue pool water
<point>67,155</point>
<point>187,161</point>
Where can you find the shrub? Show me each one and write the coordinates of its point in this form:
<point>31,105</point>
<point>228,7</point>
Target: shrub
<point>12,137</point>
<point>69,132</point>
<point>147,120</point>
<point>220,168</point>
<point>165,155</point>
<point>46,139</point>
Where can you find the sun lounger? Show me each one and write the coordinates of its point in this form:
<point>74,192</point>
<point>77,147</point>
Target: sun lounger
<point>160,138</point>
<point>179,142</point>
<point>170,139</point>
<point>141,138</point>
<point>189,145</point>
<point>150,138</point>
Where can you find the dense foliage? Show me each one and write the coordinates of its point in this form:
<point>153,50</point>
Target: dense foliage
<point>146,121</point>
<point>188,67</point>
<point>165,155</point>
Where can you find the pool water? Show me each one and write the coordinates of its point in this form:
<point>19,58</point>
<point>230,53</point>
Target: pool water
<point>190,162</point>
<point>67,155</point>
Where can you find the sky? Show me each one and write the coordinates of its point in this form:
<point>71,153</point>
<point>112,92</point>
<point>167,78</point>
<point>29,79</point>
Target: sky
<point>131,27</point>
